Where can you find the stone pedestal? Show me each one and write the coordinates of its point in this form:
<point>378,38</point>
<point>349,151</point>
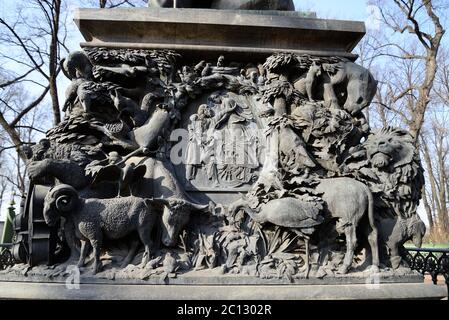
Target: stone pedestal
<point>59,291</point>
<point>203,33</point>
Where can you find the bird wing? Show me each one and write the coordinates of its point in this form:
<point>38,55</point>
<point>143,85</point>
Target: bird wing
<point>139,171</point>
<point>110,173</point>
<point>300,215</point>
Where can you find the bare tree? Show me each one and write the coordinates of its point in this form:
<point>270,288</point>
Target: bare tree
<point>407,55</point>
<point>33,40</point>
<point>420,19</point>
<point>3,181</point>
<point>435,148</point>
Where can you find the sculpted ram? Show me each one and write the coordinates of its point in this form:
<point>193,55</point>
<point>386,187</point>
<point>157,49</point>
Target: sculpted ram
<point>94,218</point>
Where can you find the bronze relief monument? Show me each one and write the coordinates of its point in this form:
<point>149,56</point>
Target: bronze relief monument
<point>219,142</point>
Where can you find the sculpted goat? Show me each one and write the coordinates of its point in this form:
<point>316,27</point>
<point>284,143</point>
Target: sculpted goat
<point>114,218</point>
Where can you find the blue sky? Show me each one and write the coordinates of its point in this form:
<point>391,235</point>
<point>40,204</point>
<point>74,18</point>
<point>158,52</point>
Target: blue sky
<point>332,9</point>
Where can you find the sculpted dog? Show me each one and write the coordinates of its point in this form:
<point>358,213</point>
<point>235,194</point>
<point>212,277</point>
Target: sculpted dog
<point>397,231</point>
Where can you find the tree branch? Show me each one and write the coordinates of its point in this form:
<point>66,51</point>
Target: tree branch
<point>30,107</point>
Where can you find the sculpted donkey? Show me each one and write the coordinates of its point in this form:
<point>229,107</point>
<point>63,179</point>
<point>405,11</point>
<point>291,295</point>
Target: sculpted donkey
<point>349,200</point>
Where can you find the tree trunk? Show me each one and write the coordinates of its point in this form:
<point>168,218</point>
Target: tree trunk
<point>431,175</point>
<point>54,62</point>
<point>424,94</point>
<point>55,101</point>
<point>443,213</point>
<point>427,208</point>
<point>13,135</point>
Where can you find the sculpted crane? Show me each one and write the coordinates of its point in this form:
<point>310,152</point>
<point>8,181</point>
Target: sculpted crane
<point>301,217</point>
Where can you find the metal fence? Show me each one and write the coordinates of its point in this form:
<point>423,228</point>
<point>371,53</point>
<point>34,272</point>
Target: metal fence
<point>7,237</point>
<point>434,262</point>
<point>6,257</point>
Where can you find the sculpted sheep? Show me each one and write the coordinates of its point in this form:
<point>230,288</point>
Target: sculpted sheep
<point>94,218</point>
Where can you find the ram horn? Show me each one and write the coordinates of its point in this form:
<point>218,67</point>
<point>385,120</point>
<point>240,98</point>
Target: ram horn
<point>65,197</point>
<point>205,208</point>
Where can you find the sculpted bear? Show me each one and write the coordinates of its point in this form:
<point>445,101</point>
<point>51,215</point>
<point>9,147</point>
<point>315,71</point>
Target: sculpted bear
<point>322,81</point>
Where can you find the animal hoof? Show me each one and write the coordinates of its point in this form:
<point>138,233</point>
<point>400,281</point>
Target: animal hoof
<point>321,273</point>
<point>97,268</point>
<point>395,262</point>
<point>343,269</point>
<point>374,269</point>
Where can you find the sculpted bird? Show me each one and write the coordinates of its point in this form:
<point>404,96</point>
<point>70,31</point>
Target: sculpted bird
<point>207,70</point>
<point>169,265</point>
<point>301,217</point>
<point>115,171</point>
<point>199,67</point>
